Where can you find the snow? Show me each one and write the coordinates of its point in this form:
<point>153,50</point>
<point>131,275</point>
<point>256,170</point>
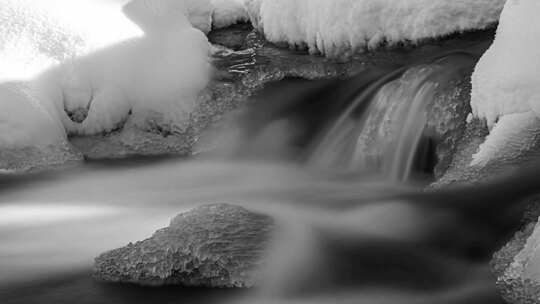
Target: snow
<point>506,82</point>
<point>24,119</point>
<point>338,27</point>
<point>199,13</point>
<point>511,138</point>
<point>143,62</point>
<point>228,12</point>
<point>507,78</point>
<point>208,14</point>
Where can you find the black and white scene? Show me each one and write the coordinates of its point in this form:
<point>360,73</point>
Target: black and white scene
<point>269,151</point>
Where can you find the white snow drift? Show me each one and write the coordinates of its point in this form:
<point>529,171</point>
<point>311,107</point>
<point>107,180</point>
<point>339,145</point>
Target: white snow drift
<point>507,78</point>
<point>506,82</point>
<point>338,27</point>
<point>60,56</point>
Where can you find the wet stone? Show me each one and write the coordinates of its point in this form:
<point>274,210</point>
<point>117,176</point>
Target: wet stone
<point>210,246</point>
<point>508,268</point>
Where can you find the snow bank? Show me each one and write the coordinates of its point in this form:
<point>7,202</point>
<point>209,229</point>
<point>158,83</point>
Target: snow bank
<point>507,78</point>
<point>506,83</point>
<point>145,63</point>
<point>338,27</point>
<point>25,118</point>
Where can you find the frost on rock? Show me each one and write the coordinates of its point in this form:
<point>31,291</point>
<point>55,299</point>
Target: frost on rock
<point>506,83</point>
<point>517,267</point>
<point>63,74</point>
<point>210,246</point>
<point>339,27</point>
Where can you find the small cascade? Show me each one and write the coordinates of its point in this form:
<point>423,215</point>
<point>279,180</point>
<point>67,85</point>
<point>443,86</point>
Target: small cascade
<point>384,127</point>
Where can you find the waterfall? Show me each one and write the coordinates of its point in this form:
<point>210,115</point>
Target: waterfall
<point>383,127</point>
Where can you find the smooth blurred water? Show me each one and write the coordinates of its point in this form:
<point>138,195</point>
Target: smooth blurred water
<point>386,136</point>
<point>339,229</point>
<point>52,226</point>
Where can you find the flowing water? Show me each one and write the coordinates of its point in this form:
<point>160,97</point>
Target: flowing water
<point>301,157</point>
<point>387,134</point>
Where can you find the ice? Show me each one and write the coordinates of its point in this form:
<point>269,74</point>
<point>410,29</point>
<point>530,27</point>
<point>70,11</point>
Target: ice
<point>228,12</point>
<point>339,27</point>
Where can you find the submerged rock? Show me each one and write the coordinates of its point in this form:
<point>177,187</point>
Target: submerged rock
<point>209,246</point>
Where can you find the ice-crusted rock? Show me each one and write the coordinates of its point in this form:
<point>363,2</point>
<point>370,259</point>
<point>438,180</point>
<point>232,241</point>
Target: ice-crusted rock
<point>341,27</point>
<point>447,120</point>
<point>28,159</point>
<point>516,267</point>
<point>212,246</point>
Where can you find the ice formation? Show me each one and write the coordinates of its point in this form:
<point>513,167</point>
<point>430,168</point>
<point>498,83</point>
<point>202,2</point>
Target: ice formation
<point>60,57</point>
<point>228,12</point>
<point>506,81</point>
<point>338,27</point>
<point>207,14</point>
<point>512,137</point>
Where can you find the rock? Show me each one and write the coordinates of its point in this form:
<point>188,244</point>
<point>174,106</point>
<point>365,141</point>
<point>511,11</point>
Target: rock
<point>232,37</point>
<point>506,151</point>
<point>33,159</point>
<point>459,170</point>
<point>447,120</point>
<point>155,138</point>
<point>509,266</point>
<point>209,246</point>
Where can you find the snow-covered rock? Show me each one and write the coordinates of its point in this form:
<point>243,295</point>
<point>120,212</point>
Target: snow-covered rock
<point>506,83</point>
<point>31,135</point>
<point>516,266</point>
<point>338,27</point>
<point>228,12</point>
<point>211,246</point>
<point>512,137</point>
<point>88,67</point>
<point>507,78</point>
<point>208,14</point>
